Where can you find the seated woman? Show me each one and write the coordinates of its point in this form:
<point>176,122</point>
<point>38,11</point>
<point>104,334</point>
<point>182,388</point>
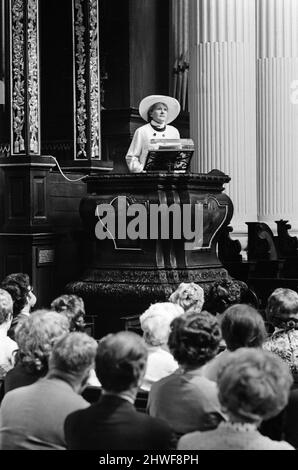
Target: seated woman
<point>282,312</point>
<point>253,385</point>
<point>189,296</point>
<point>35,336</point>
<point>186,399</point>
<point>221,295</point>
<point>241,326</point>
<point>8,347</point>
<point>155,323</point>
<point>73,307</point>
<point>158,111</point>
<point>19,287</point>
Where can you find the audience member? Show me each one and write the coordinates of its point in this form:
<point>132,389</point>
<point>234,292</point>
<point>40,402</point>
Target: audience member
<point>186,399</point>
<point>32,417</point>
<point>282,316</point>
<point>189,296</point>
<point>155,323</point>
<point>282,312</point>
<point>253,385</point>
<point>35,336</point>
<point>113,423</point>
<point>241,326</point>
<point>73,307</point>
<point>284,426</point>
<point>289,429</point>
<point>222,294</point>
<point>19,287</point>
<point>8,347</point>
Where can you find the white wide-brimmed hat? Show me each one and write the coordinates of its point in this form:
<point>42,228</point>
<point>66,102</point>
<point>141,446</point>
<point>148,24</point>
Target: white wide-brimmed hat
<point>172,104</point>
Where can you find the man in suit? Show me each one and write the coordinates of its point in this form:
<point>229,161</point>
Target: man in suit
<point>113,423</point>
<point>32,417</point>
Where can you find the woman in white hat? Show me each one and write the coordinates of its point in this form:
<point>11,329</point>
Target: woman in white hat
<point>158,111</point>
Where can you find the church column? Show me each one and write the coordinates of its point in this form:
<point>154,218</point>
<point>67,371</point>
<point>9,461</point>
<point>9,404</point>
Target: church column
<point>277,111</point>
<point>25,168</point>
<point>222,98</point>
<point>26,240</point>
<point>86,74</point>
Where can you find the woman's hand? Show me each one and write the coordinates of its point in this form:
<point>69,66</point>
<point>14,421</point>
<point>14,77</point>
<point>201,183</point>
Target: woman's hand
<point>134,165</point>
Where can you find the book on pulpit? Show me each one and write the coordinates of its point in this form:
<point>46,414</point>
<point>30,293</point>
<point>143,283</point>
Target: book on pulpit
<point>169,155</point>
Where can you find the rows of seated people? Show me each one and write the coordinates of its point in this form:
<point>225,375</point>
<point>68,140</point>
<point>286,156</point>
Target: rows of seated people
<point>206,373</point>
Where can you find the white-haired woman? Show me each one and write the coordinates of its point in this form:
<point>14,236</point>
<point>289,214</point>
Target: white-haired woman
<point>155,323</point>
<point>189,296</point>
<point>158,111</point>
<point>282,313</point>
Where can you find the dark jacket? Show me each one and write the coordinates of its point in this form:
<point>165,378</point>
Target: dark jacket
<point>285,424</point>
<point>20,376</point>
<point>15,321</point>
<point>114,424</point>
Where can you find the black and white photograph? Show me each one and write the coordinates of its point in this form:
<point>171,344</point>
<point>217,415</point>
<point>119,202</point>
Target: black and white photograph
<point>148,230</point>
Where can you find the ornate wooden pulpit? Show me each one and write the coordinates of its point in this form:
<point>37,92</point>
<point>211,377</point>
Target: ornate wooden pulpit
<point>146,233</point>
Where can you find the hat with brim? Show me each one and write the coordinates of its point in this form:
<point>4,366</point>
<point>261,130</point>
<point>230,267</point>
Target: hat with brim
<point>171,103</point>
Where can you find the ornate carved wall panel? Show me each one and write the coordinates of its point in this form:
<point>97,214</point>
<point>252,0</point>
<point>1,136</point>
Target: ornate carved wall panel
<point>24,76</point>
<point>4,79</point>
<point>86,79</point>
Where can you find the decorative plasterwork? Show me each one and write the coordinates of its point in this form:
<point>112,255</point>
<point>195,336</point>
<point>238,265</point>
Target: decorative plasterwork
<point>17,76</point>
<point>80,82</point>
<point>24,77</point>
<point>94,79</point>
<point>4,149</point>
<point>87,79</point>
<point>33,77</point>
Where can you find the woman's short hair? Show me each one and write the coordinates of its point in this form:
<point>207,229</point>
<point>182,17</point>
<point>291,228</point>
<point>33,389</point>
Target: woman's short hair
<point>152,107</point>
<point>222,294</point>
<point>36,336</point>
<point>194,338</point>
<point>17,284</point>
<point>253,384</point>
<point>6,306</point>
<point>189,296</point>
<point>282,308</point>
<point>121,361</point>
<point>243,326</point>
<point>73,307</point>
<point>156,320</point>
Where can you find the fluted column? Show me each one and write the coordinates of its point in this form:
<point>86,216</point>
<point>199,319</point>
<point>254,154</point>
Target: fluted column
<point>277,111</point>
<point>222,97</point>
<point>179,51</point>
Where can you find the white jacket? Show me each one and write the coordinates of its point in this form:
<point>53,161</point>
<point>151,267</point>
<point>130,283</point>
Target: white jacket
<point>138,150</point>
